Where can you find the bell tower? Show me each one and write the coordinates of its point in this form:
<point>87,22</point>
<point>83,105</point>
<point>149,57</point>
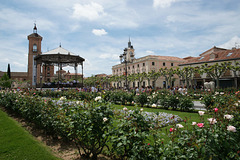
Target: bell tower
<point>130,52</point>
<point>34,49</point>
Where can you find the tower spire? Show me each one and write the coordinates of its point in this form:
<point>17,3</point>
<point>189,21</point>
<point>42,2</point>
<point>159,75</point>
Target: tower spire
<point>129,43</point>
<point>35,28</point>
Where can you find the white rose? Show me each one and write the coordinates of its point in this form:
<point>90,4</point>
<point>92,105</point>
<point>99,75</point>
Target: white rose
<point>125,109</point>
<point>141,109</point>
<point>212,120</point>
<point>98,98</point>
<point>179,126</point>
<point>194,123</point>
<point>231,128</point>
<point>105,119</point>
<point>227,116</point>
<point>201,113</point>
<point>154,105</point>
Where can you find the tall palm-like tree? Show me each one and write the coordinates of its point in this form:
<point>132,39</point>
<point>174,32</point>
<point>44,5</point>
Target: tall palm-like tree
<point>152,76</point>
<point>168,74</point>
<point>131,78</point>
<point>216,71</point>
<point>140,77</point>
<point>235,68</point>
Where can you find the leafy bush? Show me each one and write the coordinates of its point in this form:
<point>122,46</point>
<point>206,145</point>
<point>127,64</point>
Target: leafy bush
<point>141,99</point>
<point>185,103</point>
<point>208,101</point>
<point>130,136</point>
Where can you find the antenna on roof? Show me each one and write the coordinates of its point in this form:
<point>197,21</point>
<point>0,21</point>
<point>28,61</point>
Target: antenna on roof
<point>60,45</point>
<point>236,45</point>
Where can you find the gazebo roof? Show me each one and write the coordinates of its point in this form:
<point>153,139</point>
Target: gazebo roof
<point>59,56</point>
<point>59,50</point>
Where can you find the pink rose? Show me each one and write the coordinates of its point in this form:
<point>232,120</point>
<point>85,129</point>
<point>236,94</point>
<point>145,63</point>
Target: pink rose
<point>171,129</point>
<point>200,125</point>
<point>215,109</point>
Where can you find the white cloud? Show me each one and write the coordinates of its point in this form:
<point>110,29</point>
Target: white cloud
<point>233,42</point>
<point>90,11</point>
<point>150,52</point>
<point>99,32</point>
<point>162,3</point>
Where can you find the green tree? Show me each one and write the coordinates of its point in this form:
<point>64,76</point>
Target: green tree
<point>9,71</point>
<point>132,78</point>
<point>140,77</point>
<point>187,74</point>
<point>5,81</point>
<point>235,68</point>
<point>216,71</point>
<point>168,74</point>
<point>152,76</point>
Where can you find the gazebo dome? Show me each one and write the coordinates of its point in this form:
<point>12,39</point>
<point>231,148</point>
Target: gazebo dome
<point>59,50</point>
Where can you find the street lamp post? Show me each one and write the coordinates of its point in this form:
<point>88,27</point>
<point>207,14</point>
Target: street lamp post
<point>124,59</point>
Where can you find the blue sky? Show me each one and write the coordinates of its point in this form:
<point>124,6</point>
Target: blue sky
<point>98,30</point>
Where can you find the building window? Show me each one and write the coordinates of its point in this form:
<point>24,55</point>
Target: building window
<point>153,63</point>
<point>133,67</point>
<point>34,48</point>
<point>171,64</point>
<point>120,69</point>
<point>163,64</point>
<point>143,64</point>
<point>48,68</point>
<point>138,65</point>
<point>128,67</point>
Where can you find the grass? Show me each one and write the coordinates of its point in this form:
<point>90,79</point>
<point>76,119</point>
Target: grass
<point>17,143</point>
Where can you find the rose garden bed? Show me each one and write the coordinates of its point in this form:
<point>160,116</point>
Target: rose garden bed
<point>95,127</point>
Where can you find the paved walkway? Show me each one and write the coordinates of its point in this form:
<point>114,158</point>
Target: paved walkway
<point>198,105</point>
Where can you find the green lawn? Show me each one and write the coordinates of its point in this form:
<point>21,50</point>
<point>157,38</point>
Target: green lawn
<point>17,144</point>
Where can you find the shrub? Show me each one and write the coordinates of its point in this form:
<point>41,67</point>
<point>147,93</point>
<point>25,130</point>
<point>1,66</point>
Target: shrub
<point>130,136</point>
<point>141,99</point>
<point>185,103</point>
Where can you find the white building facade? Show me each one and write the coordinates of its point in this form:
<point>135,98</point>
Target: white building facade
<point>150,63</point>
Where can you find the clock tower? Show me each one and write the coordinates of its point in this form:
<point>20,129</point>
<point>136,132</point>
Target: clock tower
<point>34,49</point>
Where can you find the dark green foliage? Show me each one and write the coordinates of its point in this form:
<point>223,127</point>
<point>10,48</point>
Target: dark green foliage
<point>5,81</point>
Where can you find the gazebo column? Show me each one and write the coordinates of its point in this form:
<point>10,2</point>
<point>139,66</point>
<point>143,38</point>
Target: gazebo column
<point>58,75</point>
<point>82,73</point>
<point>61,71</point>
<point>75,68</point>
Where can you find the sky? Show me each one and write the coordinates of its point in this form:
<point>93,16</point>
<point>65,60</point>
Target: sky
<point>99,30</point>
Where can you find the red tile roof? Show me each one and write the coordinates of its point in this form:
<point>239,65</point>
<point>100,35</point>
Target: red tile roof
<point>214,56</point>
